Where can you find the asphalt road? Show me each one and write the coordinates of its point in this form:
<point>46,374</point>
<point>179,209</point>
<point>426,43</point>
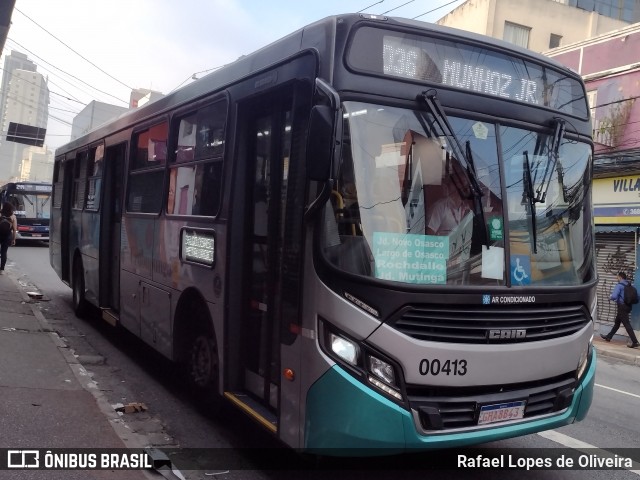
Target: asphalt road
<point>127,371</point>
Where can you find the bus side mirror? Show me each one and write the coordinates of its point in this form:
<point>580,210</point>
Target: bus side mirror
<point>320,146</point>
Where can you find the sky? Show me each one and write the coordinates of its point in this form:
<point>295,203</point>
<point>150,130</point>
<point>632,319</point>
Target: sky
<point>101,49</point>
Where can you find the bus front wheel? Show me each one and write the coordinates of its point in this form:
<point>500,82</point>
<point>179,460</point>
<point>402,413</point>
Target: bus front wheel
<point>80,305</point>
<point>203,366</point>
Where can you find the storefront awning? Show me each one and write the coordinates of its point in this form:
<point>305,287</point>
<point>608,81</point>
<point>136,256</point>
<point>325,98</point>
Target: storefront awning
<point>615,228</point>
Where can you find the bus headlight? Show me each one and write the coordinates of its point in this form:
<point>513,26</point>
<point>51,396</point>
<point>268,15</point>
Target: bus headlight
<point>584,359</point>
<point>343,348</point>
<point>385,388</point>
<point>382,370</point>
<point>361,361</point>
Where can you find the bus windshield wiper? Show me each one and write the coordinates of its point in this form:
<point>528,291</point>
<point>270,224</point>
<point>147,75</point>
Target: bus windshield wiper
<point>432,103</point>
<point>531,199</point>
<point>441,119</point>
<point>554,154</point>
<point>408,172</point>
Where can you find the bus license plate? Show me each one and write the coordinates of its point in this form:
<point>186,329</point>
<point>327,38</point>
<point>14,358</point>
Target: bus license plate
<point>501,412</point>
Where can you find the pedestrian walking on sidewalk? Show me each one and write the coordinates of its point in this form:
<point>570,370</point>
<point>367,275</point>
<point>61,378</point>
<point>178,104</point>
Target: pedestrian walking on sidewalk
<point>8,229</point>
<point>622,312</point>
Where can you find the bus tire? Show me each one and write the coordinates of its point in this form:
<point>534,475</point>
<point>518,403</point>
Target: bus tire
<point>80,305</point>
<point>203,367</point>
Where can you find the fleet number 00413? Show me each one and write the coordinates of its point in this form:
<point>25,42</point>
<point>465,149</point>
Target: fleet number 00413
<point>442,367</point>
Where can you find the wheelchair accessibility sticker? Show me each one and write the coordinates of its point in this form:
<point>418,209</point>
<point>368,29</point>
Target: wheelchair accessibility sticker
<point>520,270</point>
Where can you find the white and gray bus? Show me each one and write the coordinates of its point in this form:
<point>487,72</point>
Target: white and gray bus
<point>372,233</point>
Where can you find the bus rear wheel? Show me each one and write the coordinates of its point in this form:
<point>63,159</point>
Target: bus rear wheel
<point>80,305</point>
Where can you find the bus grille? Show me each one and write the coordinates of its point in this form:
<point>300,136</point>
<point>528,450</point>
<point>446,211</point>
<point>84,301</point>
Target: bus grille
<point>486,324</point>
<point>453,408</point>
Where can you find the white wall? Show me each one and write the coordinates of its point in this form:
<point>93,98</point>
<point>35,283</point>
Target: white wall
<point>544,17</point>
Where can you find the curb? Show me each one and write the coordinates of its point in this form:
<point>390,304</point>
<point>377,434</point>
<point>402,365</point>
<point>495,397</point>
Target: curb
<point>633,359</point>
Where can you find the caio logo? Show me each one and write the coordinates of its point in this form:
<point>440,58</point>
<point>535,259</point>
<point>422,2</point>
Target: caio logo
<point>506,334</point>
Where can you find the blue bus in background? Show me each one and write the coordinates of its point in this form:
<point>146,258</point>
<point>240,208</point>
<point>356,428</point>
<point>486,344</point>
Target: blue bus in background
<point>32,207</point>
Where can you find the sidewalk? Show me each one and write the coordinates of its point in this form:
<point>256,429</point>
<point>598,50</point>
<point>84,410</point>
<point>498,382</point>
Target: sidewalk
<point>617,347</point>
<point>48,399</point>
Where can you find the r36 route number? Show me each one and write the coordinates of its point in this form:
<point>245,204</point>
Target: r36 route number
<point>437,367</point>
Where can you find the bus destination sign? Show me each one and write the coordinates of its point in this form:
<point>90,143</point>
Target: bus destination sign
<point>465,66</point>
<point>480,72</point>
<point>403,61</point>
<point>34,187</point>
<point>198,247</point>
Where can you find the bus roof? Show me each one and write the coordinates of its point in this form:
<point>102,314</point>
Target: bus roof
<point>310,37</point>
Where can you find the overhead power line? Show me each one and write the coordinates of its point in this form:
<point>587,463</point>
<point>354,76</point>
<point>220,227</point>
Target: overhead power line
<point>54,93</point>
<point>395,8</point>
<point>38,108</point>
<point>63,110</point>
<point>433,10</point>
<point>194,76</point>
<point>67,73</point>
<point>370,6</point>
<point>66,122</point>
<point>80,55</point>
<point>616,101</point>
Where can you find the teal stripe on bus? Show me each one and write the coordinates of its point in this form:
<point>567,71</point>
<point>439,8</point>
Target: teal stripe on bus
<point>344,414</point>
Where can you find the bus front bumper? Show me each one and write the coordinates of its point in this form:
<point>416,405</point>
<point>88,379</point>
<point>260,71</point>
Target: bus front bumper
<point>346,418</point>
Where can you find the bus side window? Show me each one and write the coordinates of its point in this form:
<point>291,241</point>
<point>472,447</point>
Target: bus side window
<point>195,177</point>
<point>94,180</point>
<point>148,158</point>
<point>58,178</point>
<point>79,180</point>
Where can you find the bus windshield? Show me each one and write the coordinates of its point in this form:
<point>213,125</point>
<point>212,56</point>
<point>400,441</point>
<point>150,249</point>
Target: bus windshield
<point>404,210</point>
<point>30,205</point>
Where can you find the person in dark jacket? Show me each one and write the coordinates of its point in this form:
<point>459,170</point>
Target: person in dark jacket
<point>622,312</point>
<point>10,238</point>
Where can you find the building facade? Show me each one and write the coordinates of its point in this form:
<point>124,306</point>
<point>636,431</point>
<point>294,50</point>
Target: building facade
<point>36,165</point>
<point>24,100</point>
<point>542,24</point>
<point>14,61</point>
<point>142,96</point>
<point>92,116</point>
<point>96,113</point>
<point>610,66</point>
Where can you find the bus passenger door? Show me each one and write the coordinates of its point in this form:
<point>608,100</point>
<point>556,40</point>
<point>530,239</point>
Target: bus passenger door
<point>269,256</point>
<point>65,220</point>
<point>265,246</point>
<point>111,220</point>
<point>261,338</point>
